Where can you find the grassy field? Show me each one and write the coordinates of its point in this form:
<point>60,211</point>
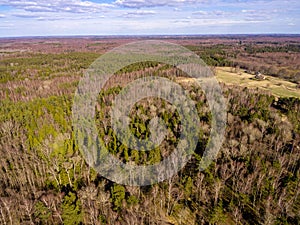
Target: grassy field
<point>275,85</point>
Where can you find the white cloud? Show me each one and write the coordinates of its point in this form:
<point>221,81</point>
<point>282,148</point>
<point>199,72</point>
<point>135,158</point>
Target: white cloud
<point>215,14</point>
<point>219,13</point>
<point>181,21</point>
<point>156,3</point>
<point>201,12</point>
<point>248,11</point>
<point>259,14</point>
<point>138,13</point>
<point>75,6</point>
<point>25,15</point>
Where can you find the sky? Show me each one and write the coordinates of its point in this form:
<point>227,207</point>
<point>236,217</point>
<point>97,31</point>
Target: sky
<point>147,17</point>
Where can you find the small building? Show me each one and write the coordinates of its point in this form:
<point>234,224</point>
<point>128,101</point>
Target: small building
<point>259,76</point>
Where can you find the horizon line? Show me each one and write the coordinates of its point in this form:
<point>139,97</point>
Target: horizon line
<point>149,35</point>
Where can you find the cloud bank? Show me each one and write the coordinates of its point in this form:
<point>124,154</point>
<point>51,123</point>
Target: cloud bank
<point>57,17</point>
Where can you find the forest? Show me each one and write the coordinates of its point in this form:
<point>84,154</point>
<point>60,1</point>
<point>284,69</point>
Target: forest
<point>45,179</point>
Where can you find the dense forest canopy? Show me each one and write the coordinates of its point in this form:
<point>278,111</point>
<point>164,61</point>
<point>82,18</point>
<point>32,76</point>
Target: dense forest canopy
<point>44,178</point>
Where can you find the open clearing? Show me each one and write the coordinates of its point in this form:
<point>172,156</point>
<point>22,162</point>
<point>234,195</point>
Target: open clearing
<point>276,86</point>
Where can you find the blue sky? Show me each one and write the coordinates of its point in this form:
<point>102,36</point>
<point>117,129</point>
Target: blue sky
<point>143,17</point>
